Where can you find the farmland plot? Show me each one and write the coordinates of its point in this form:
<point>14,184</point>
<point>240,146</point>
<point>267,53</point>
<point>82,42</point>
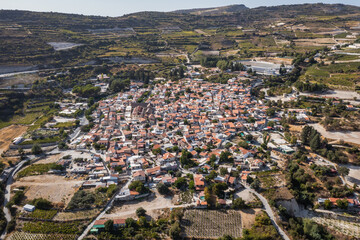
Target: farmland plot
<point>205,224</point>
<point>33,236</point>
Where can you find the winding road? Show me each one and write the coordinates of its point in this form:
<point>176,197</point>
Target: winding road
<point>7,194</point>
<point>270,212</point>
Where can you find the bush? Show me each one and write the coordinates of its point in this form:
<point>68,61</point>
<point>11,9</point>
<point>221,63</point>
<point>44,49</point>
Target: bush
<point>140,212</point>
<point>163,189</point>
<point>139,187</point>
<point>239,203</point>
<point>82,200</point>
<point>39,169</point>
<point>36,149</point>
<point>11,226</point>
<point>42,204</point>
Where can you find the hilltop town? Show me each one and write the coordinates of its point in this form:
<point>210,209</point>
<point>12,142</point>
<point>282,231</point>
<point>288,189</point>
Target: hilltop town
<point>131,128</point>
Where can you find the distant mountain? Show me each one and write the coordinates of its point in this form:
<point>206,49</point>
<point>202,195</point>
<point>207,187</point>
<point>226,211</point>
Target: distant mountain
<point>214,11</point>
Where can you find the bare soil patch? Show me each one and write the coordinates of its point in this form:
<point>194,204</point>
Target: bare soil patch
<point>8,134</point>
<point>50,159</point>
<point>56,189</point>
<point>315,42</point>
<point>154,207</point>
<point>248,217</point>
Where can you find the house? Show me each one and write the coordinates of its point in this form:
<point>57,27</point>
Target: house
<point>199,182</point>
<point>153,171</point>
<point>119,223</point>
<point>99,225</point>
<point>139,176</point>
<point>29,208</point>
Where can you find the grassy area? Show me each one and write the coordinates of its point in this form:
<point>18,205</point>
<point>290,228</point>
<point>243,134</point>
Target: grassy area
<point>43,214</point>
<point>26,119</point>
<point>65,125</point>
<point>38,169</point>
<point>80,215</point>
<point>41,141</point>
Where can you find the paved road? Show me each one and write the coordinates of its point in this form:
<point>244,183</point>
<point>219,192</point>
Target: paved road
<point>75,134</point>
<point>108,207</point>
<point>270,212</point>
<point>7,194</point>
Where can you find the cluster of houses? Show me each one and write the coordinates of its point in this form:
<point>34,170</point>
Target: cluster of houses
<point>145,139</point>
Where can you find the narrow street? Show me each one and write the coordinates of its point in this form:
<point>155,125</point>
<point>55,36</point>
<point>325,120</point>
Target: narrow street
<point>270,212</point>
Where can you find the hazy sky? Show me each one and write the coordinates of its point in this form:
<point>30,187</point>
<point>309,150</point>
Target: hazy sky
<point>121,7</point>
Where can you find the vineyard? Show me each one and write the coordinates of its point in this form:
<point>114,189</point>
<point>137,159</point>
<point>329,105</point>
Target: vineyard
<point>52,227</point>
<point>43,214</point>
<point>31,236</point>
<point>341,226</point>
<point>204,224</point>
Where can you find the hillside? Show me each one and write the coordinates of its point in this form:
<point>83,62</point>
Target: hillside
<point>214,11</point>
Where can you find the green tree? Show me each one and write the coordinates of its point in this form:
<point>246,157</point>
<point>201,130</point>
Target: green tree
<point>223,171</point>
<point>327,204</point>
<point>256,184</point>
<point>109,226</point>
<point>175,231</point>
<point>36,149</point>
<point>239,203</point>
<point>315,142</point>
<point>180,183</point>
<point>343,171</point>
<point>42,204</point>
<point>140,212</point>
<point>163,189</point>
<point>342,203</point>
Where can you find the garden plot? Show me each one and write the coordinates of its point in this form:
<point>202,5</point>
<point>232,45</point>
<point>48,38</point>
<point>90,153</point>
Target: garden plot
<point>205,224</point>
<point>56,189</point>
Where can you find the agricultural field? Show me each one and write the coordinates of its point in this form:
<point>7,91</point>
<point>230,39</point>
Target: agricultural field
<point>79,215</point>
<point>21,79</point>
<point>317,42</point>
<point>344,227</point>
<point>53,227</point>
<point>34,236</point>
<point>26,119</point>
<point>47,187</point>
<point>204,224</point>
<point>42,214</point>
<point>8,134</point>
<point>339,75</point>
